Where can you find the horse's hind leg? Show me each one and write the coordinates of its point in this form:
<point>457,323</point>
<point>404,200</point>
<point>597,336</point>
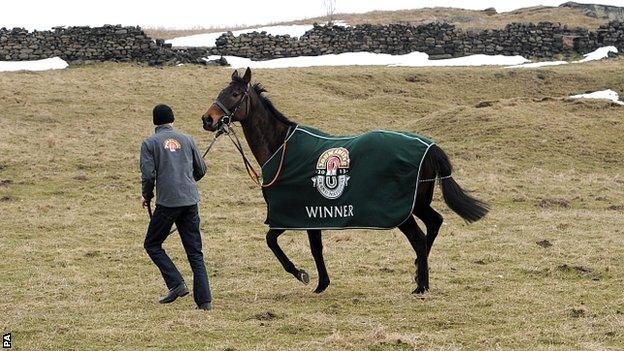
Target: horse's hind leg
<point>316,245</point>
<point>424,211</point>
<point>433,222</point>
<point>271,239</point>
<point>418,240</point>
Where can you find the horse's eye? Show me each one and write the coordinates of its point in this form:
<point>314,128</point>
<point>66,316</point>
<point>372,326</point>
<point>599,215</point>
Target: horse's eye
<point>236,94</point>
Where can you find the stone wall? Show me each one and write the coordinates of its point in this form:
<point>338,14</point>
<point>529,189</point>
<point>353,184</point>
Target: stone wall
<point>80,44</point>
<point>439,40</point>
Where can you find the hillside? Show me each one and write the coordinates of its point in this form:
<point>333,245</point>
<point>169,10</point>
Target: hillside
<point>75,275</point>
<point>466,19</point>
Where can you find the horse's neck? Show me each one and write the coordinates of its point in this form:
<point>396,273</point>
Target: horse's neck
<point>264,133</point>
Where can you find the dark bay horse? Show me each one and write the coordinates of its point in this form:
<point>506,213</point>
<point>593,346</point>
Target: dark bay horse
<point>265,130</point>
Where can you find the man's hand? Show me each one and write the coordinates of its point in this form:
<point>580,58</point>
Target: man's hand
<point>144,202</point>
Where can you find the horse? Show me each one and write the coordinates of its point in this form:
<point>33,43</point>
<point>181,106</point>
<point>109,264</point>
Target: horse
<point>266,129</point>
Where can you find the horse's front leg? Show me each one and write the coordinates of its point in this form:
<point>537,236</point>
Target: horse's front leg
<point>271,239</point>
<point>316,245</point>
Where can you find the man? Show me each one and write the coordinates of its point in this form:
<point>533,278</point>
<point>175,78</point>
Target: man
<point>170,160</point>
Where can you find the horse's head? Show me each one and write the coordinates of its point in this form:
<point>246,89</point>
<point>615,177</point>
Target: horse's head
<point>232,103</point>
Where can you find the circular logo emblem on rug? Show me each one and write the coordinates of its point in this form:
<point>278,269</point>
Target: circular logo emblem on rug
<point>331,172</point>
<point>172,145</point>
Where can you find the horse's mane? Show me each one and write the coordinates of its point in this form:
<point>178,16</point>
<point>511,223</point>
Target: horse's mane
<point>264,100</point>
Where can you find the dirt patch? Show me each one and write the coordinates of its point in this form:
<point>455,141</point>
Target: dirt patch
<point>92,254</point>
<point>553,203</point>
<point>544,243</point>
<point>483,104</point>
<point>4,183</point>
<point>416,79</point>
<point>342,238</point>
<point>578,269</point>
<point>616,207</point>
<point>578,312</point>
<point>544,99</point>
<point>265,316</point>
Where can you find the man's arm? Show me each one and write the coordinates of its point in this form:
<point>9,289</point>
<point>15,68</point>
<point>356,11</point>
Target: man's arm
<point>199,166</point>
<point>148,172</point>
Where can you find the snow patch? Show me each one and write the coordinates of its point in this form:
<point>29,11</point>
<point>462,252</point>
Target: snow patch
<point>38,65</point>
<point>414,59</point>
<point>602,94</point>
<point>598,54</point>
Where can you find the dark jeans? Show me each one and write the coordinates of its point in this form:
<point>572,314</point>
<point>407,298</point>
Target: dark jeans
<point>187,220</point>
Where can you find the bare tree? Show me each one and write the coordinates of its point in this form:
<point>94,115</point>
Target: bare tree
<point>330,10</point>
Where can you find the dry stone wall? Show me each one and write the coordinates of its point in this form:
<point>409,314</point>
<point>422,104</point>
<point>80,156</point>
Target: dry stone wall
<point>80,44</point>
<point>439,40</point>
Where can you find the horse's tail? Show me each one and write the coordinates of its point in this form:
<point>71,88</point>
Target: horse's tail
<point>466,206</point>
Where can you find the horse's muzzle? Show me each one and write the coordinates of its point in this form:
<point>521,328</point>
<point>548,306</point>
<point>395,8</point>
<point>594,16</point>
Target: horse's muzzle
<point>207,122</point>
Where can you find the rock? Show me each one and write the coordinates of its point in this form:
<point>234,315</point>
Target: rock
<point>218,62</point>
<point>598,11</point>
<point>490,11</point>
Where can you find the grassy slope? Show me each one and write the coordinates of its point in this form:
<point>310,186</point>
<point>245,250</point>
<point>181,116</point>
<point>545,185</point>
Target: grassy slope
<point>75,275</point>
<point>466,19</point>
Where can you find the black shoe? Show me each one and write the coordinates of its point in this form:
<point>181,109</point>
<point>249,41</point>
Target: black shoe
<point>174,293</point>
<point>206,306</point>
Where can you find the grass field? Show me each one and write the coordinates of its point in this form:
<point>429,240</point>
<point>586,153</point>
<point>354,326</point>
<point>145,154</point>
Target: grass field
<point>75,275</point>
<point>462,18</point>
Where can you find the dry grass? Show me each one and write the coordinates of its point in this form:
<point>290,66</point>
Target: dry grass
<point>75,275</point>
<point>471,19</point>
<point>465,19</point>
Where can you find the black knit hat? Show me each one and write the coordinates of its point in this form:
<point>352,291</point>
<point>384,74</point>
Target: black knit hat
<point>162,114</point>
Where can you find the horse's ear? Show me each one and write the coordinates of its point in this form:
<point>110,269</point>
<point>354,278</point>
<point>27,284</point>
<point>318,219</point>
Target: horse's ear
<point>235,74</point>
<point>247,76</point>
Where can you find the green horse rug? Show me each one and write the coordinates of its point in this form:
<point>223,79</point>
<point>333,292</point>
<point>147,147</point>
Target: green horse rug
<point>368,181</point>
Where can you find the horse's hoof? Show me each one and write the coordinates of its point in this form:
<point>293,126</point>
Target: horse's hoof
<point>321,287</point>
<point>303,277</point>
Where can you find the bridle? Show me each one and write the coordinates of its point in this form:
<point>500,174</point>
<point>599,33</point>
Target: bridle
<point>224,126</point>
<point>228,117</point>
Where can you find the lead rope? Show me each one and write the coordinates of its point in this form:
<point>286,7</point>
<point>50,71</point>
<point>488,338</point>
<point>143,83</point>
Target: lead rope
<point>255,177</point>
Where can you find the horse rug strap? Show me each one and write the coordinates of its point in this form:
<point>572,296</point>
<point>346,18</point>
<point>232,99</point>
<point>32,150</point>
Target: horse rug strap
<point>366,181</point>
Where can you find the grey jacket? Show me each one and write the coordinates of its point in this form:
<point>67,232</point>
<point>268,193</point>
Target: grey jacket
<point>171,161</point>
